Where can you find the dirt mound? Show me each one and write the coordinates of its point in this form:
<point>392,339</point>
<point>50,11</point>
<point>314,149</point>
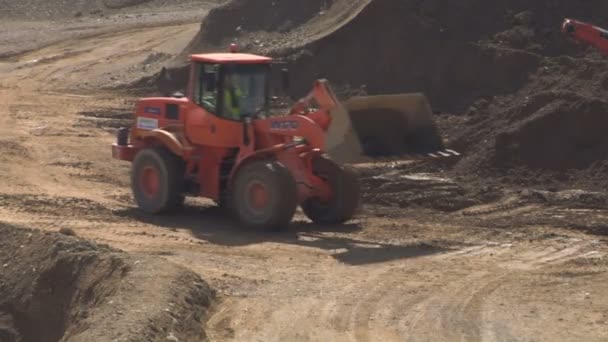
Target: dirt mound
<point>270,25</point>
<point>518,98</point>
<point>70,289</point>
<point>427,46</point>
<point>567,132</point>
<point>547,132</point>
<point>424,46</point>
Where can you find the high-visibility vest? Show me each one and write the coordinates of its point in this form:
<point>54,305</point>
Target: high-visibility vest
<point>235,112</point>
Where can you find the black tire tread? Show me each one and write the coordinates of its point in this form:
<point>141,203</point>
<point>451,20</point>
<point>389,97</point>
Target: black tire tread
<point>175,168</point>
<point>279,177</point>
<point>345,185</point>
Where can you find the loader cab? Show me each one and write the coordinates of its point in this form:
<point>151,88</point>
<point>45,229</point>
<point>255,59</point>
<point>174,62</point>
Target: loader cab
<point>232,85</point>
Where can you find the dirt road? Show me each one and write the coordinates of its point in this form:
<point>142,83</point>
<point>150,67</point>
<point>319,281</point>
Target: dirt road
<point>518,273</point>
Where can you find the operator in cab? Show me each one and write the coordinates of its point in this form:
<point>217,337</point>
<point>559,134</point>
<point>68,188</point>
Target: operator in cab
<point>233,97</point>
<point>244,94</point>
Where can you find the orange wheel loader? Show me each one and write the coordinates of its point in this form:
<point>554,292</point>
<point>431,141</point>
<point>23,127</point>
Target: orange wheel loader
<point>223,141</point>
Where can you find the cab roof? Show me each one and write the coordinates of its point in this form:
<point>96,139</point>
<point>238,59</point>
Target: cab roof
<point>225,58</point>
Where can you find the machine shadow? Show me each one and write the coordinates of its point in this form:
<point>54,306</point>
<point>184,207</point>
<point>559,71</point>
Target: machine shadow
<point>213,225</point>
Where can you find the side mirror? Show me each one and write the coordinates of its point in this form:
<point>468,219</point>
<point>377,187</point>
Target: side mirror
<point>210,80</point>
<point>285,79</point>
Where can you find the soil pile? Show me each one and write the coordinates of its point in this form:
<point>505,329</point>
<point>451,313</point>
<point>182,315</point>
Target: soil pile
<point>70,289</point>
<point>268,26</point>
<point>554,131</point>
<point>519,100</point>
<point>429,46</point>
<point>550,131</point>
<point>392,187</point>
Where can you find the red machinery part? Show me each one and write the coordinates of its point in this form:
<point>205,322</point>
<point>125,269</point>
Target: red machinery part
<point>585,33</point>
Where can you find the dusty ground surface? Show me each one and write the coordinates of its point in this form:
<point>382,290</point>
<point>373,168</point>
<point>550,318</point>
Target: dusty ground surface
<point>430,258</point>
<point>56,287</point>
<point>30,24</point>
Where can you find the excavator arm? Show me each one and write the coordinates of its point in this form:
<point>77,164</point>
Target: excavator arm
<point>586,33</point>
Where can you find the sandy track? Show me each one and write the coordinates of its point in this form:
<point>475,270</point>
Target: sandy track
<point>32,24</point>
<point>392,275</point>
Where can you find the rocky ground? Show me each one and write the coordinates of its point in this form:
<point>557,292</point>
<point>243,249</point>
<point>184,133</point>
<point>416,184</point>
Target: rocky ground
<point>57,287</point>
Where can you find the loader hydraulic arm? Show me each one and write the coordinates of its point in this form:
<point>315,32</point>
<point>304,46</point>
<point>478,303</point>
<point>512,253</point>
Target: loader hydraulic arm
<point>325,99</point>
<point>586,33</point>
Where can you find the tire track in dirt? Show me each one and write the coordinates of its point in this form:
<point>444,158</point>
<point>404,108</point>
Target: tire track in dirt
<point>434,298</point>
<point>382,304</point>
<point>457,312</point>
<point>351,312</point>
<point>449,315</point>
<point>89,61</point>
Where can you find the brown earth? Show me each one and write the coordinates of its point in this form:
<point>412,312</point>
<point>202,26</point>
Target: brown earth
<point>437,254</point>
<point>46,22</point>
<point>56,287</point>
<point>60,9</point>
<point>510,91</point>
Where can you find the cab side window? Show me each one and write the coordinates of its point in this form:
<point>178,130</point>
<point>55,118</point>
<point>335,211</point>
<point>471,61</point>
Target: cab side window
<point>205,86</point>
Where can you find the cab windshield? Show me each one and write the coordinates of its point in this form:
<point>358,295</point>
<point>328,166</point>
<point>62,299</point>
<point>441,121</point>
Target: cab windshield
<point>249,85</point>
<point>233,91</point>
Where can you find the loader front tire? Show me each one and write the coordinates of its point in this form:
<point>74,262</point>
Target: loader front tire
<point>263,195</point>
<point>157,180</point>
<point>346,192</point>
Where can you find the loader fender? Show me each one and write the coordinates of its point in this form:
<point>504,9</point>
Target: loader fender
<point>164,138</point>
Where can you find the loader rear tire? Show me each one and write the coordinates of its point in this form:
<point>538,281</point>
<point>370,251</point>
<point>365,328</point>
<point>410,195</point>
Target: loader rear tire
<point>263,195</point>
<point>346,192</point>
<point>157,181</point>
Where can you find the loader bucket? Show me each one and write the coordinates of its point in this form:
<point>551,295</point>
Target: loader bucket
<point>368,128</point>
